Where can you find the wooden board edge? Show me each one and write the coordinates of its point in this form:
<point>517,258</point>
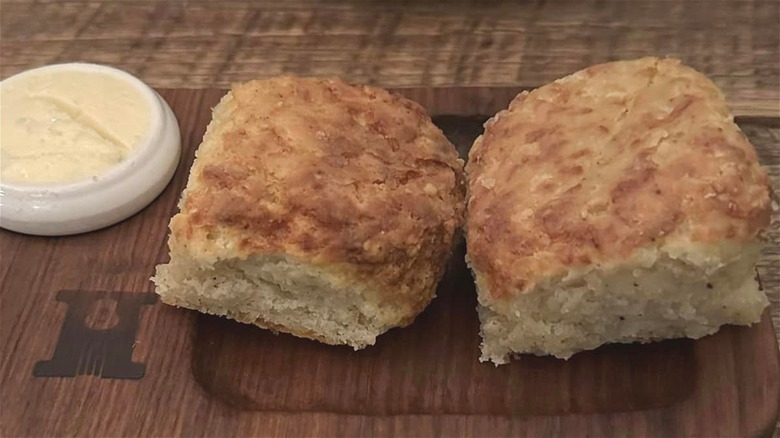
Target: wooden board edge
<point>488,100</point>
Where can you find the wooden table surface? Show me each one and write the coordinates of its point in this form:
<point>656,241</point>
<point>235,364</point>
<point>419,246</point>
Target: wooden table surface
<point>203,44</point>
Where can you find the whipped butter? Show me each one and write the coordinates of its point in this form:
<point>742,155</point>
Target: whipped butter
<point>61,126</point>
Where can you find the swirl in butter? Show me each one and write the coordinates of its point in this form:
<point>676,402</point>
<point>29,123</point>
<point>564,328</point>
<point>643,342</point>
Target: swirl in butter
<point>61,126</point>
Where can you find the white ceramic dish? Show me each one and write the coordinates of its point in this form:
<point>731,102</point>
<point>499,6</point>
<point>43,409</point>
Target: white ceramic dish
<point>97,202</point>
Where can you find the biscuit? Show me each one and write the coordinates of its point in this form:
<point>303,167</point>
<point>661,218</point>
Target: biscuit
<point>618,204</point>
<point>315,208</point>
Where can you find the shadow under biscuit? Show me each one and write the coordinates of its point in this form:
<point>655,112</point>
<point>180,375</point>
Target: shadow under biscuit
<point>432,367</point>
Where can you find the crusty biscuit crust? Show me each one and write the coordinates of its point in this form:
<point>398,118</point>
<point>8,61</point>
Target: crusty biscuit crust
<point>351,177</point>
<point>613,158</point>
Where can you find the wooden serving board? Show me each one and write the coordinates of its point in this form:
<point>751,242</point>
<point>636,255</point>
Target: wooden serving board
<point>88,350</point>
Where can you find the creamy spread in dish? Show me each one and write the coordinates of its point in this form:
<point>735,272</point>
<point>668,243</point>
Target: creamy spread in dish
<point>61,126</point>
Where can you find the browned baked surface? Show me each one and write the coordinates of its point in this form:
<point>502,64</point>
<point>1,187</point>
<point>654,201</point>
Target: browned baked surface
<point>354,178</point>
<point>613,158</point>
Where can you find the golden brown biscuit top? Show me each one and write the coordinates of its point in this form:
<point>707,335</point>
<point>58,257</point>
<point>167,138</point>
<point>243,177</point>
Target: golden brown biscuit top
<point>321,170</point>
<point>615,157</point>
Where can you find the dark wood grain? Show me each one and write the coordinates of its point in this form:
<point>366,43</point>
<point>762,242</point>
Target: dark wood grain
<point>201,44</point>
<point>210,377</point>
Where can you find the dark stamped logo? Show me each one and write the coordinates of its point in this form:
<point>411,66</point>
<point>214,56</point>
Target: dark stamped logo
<point>97,335</point>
